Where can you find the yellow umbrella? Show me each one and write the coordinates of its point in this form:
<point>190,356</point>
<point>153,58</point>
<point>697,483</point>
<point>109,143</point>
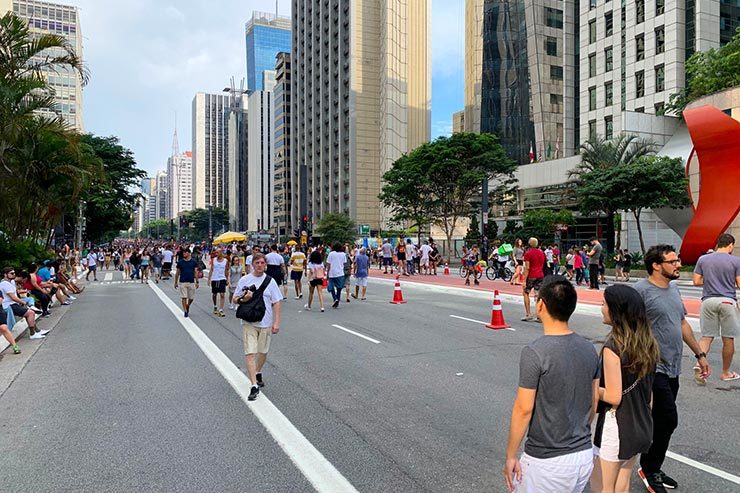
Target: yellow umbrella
<point>292,242</point>
<point>228,237</point>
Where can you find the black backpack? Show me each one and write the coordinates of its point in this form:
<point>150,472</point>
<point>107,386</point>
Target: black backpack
<point>254,309</point>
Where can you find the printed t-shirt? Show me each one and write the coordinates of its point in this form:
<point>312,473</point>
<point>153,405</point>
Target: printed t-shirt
<point>298,261</point>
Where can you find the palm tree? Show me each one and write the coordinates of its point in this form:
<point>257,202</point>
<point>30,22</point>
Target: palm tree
<point>600,153</point>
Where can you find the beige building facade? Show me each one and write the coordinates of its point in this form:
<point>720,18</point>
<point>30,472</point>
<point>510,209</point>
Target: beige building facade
<point>458,122</point>
<point>361,98</point>
<point>473,64</point>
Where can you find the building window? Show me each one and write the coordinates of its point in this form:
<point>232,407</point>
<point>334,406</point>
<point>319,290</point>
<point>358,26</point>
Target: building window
<point>556,72</point>
<point>592,65</point>
<point>592,129</point>
<point>608,127</point>
<point>660,78</point>
<point>554,17</point>
<point>640,47</point>
<point>660,109</point>
<point>591,98</point>
<point>609,94</point>
<point>592,31</point>
<point>659,7</point>
<point>551,46</point>
<point>640,11</point>
<point>608,59</point>
<point>609,23</point>
<point>556,99</point>
<point>641,109</point>
<point>660,39</point>
<point>640,84</point>
<point>591,4</point>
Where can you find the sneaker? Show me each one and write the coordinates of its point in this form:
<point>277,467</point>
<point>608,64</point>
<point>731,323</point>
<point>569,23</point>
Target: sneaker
<point>46,314</point>
<point>335,304</point>
<point>476,282</point>
<point>322,308</point>
<point>653,482</point>
<point>37,336</point>
<point>16,349</point>
<point>221,313</point>
<point>260,382</point>
<point>347,300</point>
<point>308,308</point>
<point>66,303</point>
<point>186,314</point>
<point>215,310</point>
<point>253,393</point>
<point>300,296</point>
<point>42,332</point>
<point>36,310</point>
<point>354,296</point>
<point>73,298</point>
<point>668,482</point>
<point>467,283</point>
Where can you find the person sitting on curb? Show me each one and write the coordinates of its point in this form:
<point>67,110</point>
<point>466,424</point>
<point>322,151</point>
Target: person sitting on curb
<point>16,305</point>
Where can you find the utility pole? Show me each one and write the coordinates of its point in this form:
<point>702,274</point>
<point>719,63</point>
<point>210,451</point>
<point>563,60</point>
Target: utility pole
<point>210,224</point>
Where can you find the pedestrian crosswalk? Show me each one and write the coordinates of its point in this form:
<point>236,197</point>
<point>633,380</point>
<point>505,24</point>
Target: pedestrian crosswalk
<point>126,281</point>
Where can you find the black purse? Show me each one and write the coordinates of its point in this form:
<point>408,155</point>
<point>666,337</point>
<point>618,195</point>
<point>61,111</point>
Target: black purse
<point>253,310</point>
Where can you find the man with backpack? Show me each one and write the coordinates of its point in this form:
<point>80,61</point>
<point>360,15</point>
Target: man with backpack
<point>261,318</point>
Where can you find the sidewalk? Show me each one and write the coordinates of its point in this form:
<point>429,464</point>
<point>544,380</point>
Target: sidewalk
<point>585,295</point>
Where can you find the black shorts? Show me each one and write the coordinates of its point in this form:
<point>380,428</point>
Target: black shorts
<point>388,261</point>
<point>218,286</point>
<point>401,257</point>
<point>316,282</point>
<point>18,310</point>
<point>296,275</point>
<point>166,266</point>
<point>533,283</point>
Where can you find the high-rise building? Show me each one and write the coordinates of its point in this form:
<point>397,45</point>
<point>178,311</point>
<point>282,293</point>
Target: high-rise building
<point>260,161</point>
<point>61,20</point>
<point>473,64</point>
<point>147,185</point>
<point>162,194</point>
<point>529,77</point>
<point>210,150</point>
<point>361,98</point>
<point>238,156</point>
<point>458,122</point>
<point>266,35</point>
<point>180,184</point>
<point>285,175</point>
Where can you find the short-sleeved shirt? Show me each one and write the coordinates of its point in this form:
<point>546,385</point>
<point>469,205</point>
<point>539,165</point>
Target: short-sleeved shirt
<point>720,271</point>
<point>362,264</point>
<point>562,370</point>
<point>271,295</point>
<point>44,273</point>
<point>187,269</point>
<point>336,261</point>
<point>425,251</point>
<point>387,250</point>
<point>298,261</point>
<point>7,287</point>
<point>666,312</point>
<point>167,256</point>
<point>92,259</point>
<point>594,259</point>
<point>536,259</point>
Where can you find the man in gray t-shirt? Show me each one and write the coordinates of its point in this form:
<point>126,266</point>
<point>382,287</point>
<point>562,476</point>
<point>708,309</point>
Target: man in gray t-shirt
<point>667,316</point>
<point>560,363</point>
<point>593,263</point>
<point>719,275</point>
<point>387,250</point>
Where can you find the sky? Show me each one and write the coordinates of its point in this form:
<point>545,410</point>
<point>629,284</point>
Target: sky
<point>148,58</point>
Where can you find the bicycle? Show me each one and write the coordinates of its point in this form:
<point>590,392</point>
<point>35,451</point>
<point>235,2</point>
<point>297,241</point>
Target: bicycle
<point>500,271</point>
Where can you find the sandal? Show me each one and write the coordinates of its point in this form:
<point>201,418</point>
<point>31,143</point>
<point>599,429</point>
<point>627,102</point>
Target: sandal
<point>700,380</point>
<point>733,376</point>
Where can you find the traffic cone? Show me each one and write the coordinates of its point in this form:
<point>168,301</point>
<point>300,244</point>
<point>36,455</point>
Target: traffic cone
<point>397,294</point>
<point>497,314</point>
<point>325,283</point>
<point>447,269</point>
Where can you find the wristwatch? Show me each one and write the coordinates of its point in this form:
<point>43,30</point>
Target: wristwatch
<point>701,355</point>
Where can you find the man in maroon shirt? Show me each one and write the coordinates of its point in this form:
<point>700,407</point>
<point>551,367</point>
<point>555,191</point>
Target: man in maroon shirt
<point>534,263</point>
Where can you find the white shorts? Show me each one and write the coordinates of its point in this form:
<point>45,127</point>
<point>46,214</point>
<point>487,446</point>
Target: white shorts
<point>609,450</point>
<point>425,261</point>
<point>719,317</point>
<point>361,281</point>
<point>565,474</point>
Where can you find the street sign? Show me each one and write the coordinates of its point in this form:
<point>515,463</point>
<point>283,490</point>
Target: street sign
<point>364,230</point>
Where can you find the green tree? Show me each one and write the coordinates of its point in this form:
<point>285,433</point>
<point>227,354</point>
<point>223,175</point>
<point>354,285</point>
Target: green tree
<point>336,227</point>
<point>473,235</point>
<point>403,185</point>
<point>708,72</point>
<point>542,223</point>
<point>157,229</point>
<point>197,220</point>
<point>109,201</point>
<point>601,154</point>
<point>648,182</point>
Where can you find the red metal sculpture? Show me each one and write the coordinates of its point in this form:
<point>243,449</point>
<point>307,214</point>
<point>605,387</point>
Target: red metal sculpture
<point>716,139</point>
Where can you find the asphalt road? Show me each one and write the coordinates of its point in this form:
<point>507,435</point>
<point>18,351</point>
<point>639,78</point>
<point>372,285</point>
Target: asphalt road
<point>120,398</point>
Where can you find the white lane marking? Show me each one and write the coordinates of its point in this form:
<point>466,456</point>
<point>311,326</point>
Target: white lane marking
<point>711,470</point>
<point>108,276</point>
<point>479,322</point>
<point>315,467</point>
<point>357,334</point>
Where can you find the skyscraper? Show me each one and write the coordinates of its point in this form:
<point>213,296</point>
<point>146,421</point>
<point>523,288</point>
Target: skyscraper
<point>285,174</point>
<point>210,150</point>
<point>266,35</point>
<point>238,158</point>
<point>473,65</point>
<point>260,161</point>
<point>180,183</point>
<point>162,194</point>
<point>61,20</point>
<point>361,97</point>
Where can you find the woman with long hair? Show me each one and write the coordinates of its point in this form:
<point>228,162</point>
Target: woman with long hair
<point>624,427</point>
<point>517,255</point>
<point>316,274</point>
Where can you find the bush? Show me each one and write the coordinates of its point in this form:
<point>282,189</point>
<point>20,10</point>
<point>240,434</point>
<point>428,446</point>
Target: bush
<point>21,254</point>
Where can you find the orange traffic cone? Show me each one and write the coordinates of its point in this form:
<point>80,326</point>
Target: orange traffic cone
<point>325,283</point>
<point>397,294</point>
<point>497,314</point>
<point>447,269</point>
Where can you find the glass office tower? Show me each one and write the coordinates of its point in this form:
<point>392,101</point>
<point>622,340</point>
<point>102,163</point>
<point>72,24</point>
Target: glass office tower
<point>266,35</point>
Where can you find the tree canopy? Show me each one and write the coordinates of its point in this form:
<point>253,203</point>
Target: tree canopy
<point>197,221</point>
<point>438,181</point>
<point>336,227</point>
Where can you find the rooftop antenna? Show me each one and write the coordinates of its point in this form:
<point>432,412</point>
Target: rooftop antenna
<point>175,143</point>
<point>276,8</point>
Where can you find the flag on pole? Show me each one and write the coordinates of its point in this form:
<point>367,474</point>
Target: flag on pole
<point>531,153</point>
